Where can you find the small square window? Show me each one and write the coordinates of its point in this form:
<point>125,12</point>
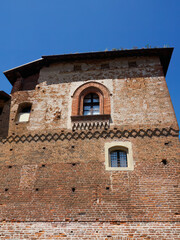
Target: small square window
<point>24,112</point>
<point>118,156</point>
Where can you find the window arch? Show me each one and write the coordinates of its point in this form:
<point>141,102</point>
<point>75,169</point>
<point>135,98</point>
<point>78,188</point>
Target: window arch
<point>23,113</point>
<point>92,88</point>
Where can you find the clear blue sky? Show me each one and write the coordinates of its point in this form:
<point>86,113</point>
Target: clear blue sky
<point>32,28</point>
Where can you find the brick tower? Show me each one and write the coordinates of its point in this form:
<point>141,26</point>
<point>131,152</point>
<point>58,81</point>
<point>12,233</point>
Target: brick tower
<point>89,148</point>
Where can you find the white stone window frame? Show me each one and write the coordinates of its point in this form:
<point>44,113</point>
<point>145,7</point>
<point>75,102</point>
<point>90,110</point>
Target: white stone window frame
<point>111,146</point>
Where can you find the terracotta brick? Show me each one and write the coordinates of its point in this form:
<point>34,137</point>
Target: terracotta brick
<point>53,180</point>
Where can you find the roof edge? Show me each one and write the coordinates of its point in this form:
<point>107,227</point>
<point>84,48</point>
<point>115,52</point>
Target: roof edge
<point>35,66</point>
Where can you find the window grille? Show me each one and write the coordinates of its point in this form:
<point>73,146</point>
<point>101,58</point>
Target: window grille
<point>118,158</point>
<point>91,104</point>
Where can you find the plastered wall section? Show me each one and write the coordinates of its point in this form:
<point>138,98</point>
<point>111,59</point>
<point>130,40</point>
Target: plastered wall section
<point>139,96</point>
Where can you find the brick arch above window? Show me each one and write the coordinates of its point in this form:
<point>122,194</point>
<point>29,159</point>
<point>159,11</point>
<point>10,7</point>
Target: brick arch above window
<point>84,90</point>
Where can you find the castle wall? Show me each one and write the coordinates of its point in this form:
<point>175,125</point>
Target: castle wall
<point>53,180</point>
<point>87,230</point>
<point>37,179</point>
<point>139,96</point>
<point>4,117</point>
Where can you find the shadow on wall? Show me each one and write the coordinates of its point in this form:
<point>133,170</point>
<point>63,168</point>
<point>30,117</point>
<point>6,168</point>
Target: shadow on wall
<point>54,75</point>
<point>4,116</point>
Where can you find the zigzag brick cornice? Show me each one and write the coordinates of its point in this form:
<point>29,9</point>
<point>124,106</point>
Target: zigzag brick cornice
<point>96,134</point>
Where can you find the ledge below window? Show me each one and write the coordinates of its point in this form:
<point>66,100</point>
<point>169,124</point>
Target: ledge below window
<point>90,117</point>
<point>88,122</point>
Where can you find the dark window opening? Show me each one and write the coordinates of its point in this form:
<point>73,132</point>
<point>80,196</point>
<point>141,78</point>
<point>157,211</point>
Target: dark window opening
<point>91,104</point>
<point>26,109</point>
<point>118,158</point>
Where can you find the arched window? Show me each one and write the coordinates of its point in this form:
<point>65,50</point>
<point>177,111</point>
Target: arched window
<point>24,112</point>
<point>91,98</point>
<point>118,158</point>
<point>91,104</point>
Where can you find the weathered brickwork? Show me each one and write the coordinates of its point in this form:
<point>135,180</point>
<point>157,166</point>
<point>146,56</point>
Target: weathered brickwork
<point>88,230</point>
<point>53,180</point>
<point>138,96</point>
<point>43,174</point>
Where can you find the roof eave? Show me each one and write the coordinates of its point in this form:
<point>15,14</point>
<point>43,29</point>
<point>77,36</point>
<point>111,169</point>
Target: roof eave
<point>24,69</point>
<point>35,66</point>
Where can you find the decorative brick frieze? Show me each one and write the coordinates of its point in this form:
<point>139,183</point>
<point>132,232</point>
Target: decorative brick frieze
<point>91,130</point>
<point>89,122</point>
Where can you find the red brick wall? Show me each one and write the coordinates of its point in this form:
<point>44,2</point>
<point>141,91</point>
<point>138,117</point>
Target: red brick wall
<point>42,160</point>
<point>38,193</point>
